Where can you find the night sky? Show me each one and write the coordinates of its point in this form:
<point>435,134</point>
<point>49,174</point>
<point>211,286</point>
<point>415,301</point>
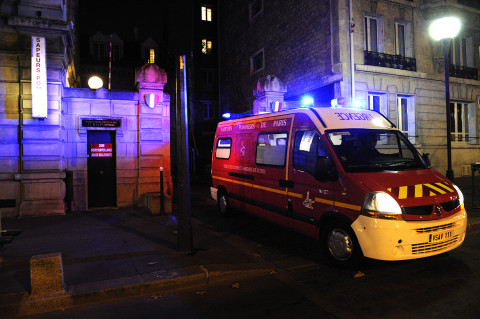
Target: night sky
<point>121,17</point>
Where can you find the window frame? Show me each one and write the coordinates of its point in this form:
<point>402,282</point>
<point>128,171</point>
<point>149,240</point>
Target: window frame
<point>409,131</point>
<point>459,51</point>
<point>285,151</point>
<point>221,147</point>
<point>209,106</point>
<point>454,132</point>
<point>206,13</point>
<point>379,32</point>
<point>206,46</point>
<point>400,46</point>
<point>382,108</point>
<point>253,12</point>
<point>253,63</point>
<point>320,144</point>
<point>151,55</point>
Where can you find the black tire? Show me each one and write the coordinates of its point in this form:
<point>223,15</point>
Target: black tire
<point>340,244</point>
<point>223,204</point>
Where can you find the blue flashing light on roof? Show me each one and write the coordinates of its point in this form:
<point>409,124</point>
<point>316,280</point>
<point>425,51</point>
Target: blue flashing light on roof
<point>231,116</point>
<point>307,101</point>
<point>357,104</point>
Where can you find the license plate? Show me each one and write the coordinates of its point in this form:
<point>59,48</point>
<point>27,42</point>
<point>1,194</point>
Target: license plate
<point>439,237</point>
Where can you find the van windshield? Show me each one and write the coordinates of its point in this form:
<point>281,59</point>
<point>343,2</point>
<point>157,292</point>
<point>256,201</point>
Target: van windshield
<point>370,150</point>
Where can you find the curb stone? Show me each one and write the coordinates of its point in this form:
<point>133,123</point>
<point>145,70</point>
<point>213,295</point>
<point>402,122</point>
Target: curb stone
<point>198,277</point>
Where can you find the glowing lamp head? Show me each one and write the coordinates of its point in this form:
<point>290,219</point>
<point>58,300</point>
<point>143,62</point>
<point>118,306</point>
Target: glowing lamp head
<point>95,82</point>
<point>444,28</point>
<point>307,101</point>
<point>226,115</point>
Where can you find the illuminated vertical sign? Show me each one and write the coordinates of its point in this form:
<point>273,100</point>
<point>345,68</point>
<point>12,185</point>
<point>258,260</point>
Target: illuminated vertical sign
<point>39,78</point>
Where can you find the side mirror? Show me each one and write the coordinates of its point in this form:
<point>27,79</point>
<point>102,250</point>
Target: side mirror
<point>322,171</point>
<point>426,158</point>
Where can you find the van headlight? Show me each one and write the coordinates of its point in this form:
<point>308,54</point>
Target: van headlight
<point>381,205</point>
<point>461,199</point>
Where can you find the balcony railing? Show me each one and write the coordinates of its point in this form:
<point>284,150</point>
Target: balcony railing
<point>470,3</point>
<point>465,72</point>
<point>390,61</point>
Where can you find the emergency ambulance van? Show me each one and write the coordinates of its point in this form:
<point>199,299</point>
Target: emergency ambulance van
<point>346,177</point>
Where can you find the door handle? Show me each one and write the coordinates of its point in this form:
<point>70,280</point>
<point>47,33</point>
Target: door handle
<point>286,183</point>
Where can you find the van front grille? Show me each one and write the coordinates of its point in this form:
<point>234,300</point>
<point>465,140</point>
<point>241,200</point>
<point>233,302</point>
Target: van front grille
<point>428,209</point>
<point>419,210</point>
<point>426,248</point>
<point>435,228</point>
<point>451,205</point>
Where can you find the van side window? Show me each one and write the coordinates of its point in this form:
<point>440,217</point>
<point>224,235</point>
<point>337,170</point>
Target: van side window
<point>271,149</point>
<point>307,148</point>
<point>224,148</point>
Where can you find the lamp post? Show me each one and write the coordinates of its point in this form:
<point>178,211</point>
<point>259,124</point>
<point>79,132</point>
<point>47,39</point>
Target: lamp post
<point>445,29</point>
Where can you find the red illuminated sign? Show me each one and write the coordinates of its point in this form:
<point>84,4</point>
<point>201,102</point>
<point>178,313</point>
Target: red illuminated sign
<point>101,150</point>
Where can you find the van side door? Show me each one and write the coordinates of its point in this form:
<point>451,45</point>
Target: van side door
<point>310,195</point>
<point>271,149</point>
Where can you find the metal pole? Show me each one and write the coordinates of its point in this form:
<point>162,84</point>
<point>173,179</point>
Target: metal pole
<point>162,195</point>
<point>447,99</point>
<point>110,65</point>
<point>185,239</point>
<point>352,62</point>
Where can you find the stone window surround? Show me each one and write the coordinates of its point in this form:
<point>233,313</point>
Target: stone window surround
<point>379,19</point>
<point>255,9</point>
<point>209,106</point>
<point>410,116</point>
<point>407,37</point>
<point>252,61</point>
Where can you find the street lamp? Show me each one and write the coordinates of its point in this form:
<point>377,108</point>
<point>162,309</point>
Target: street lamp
<point>444,29</point>
<point>95,82</point>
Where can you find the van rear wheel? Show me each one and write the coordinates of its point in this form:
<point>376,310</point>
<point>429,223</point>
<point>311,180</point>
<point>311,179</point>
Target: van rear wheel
<point>223,204</point>
<point>340,244</point>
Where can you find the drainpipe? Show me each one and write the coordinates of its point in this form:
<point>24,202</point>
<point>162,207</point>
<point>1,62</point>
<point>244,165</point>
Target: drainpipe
<point>19,132</point>
<point>137,197</point>
<point>352,65</point>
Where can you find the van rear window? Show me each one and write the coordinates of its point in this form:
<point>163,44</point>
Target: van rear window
<point>271,149</point>
<point>224,148</point>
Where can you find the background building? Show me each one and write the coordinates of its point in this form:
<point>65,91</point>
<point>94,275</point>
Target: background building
<point>193,31</point>
<point>397,67</point>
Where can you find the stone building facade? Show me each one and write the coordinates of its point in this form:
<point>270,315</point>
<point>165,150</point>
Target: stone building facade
<point>48,161</point>
<point>398,69</point>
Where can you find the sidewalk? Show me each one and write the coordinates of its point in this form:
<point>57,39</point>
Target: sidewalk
<point>113,254</point>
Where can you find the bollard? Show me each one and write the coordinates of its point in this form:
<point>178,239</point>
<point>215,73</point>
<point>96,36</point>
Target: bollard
<point>475,167</point>
<point>162,196</point>
<point>46,275</point>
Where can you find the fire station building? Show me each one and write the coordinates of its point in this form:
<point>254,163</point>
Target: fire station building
<point>72,148</point>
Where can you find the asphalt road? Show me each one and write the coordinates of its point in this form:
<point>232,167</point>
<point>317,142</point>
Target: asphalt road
<point>306,286</point>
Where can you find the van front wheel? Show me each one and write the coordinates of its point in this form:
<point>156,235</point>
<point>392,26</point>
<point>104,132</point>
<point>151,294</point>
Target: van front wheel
<point>341,245</point>
<point>223,204</point>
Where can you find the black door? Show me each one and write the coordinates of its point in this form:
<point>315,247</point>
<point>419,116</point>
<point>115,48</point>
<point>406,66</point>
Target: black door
<point>101,169</point>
